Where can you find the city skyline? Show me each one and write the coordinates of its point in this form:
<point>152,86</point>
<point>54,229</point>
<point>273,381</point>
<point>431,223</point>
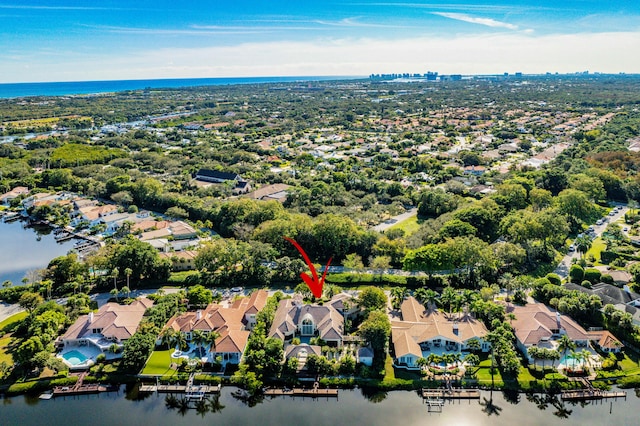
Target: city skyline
<point>112,40</point>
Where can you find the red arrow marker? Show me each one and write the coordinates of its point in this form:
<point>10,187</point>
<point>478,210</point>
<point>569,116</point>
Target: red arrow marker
<point>315,284</point>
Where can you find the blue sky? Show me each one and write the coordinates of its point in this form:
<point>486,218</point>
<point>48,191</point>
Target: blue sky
<point>69,40</point>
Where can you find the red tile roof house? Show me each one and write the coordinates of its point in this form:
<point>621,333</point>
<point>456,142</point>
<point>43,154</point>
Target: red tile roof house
<point>423,331</point>
<point>537,325</point>
<point>96,332</point>
<point>228,322</point>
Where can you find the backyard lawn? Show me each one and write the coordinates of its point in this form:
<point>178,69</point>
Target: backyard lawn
<point>158,364</point>
<point>483,374</point>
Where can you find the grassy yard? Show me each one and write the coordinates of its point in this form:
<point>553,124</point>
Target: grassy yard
<point>409,226</point>
<point>4,355</point>
<point>14,318</point>
<point>158,364</point>
<point>597,247</point>
<point>483,374</point>
<point>6,326</point>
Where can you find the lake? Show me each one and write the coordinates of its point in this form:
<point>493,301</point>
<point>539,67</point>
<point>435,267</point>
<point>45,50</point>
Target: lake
<point>27,249</point>
<point>351,408</point>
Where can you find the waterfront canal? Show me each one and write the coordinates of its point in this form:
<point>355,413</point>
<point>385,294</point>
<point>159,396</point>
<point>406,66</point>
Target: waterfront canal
<point>26,249</point>
<point>352,407</point>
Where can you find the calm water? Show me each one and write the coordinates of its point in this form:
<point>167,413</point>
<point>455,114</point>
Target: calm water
<point>397,408</point>
<point>26,249</point>
<point>14,90</point>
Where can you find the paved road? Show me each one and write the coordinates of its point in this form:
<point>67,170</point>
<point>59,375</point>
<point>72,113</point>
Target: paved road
<point>7,310</point>
<point>394,220</point>
<point>563,267</point>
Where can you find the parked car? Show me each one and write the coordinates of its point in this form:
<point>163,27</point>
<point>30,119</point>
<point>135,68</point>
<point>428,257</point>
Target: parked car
<point>572,248</point>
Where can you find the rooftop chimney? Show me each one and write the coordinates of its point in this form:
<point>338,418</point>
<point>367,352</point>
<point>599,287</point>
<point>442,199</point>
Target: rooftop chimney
<point>198,315</point>
<point>455,328</point>
<point>90,317</point>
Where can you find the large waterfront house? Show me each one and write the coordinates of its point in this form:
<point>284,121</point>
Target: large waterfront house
<point>423,331</point>
<point>537,325</point>
<point>104,331</point>
<point>231,323</point>
<point>293,318</point>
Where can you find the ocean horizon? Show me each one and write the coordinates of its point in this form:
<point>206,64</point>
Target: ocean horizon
<point>19,90</point>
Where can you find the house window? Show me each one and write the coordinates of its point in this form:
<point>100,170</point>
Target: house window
<point>307,328</point>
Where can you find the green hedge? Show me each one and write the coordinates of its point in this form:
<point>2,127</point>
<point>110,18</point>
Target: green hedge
<point>36,386</point>
<point>207,379</point>
<point>629,382</point>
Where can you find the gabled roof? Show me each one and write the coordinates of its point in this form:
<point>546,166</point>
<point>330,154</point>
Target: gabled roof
<point>232,341</point>
<point>535,321</point>
<point>290,313</point>
<point>115,320</point>
<point>423,325</point>
<point>606,340</point>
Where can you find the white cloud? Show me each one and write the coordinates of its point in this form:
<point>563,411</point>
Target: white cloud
<point>476,20</point>
<point>465,54</point>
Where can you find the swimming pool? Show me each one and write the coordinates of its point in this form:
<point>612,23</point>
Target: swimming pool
<point>570,362</point>
<point>74,357</point>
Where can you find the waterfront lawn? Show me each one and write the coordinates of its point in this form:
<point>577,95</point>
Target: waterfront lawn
<point>483,374</point>
<point>159,364</point>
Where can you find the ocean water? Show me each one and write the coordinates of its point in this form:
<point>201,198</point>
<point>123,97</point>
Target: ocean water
<point>16,90</point>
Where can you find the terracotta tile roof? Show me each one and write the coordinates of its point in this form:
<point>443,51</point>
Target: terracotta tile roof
<point>606,339</point>
<point>115,320</point>
<point>535,321</point>
<point>419,325</point>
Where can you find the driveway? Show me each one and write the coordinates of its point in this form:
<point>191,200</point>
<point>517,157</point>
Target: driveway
<point>563,268</point>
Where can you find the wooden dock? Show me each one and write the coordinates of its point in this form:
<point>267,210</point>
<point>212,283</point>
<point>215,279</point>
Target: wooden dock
<point>436,394</point>
<point>586,394</point>
<point>314,393</point>
<point>80,390</point>
<point>179,389</point>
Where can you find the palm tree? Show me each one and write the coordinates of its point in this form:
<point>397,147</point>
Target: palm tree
<point>565,344</point>
<point>534,353</point>
<point>181,341</point>
<point>448,297</point>
<point>575,356</point>
<point>583,244</point>
<point>168,337</point>
<point>125,290</point>
<point>199,338</point>
<point>586,357</point>
<point>115,272</point>
<point>128,272</point>
<point>114,293</point>
<point>433,359</point>
<point>422,362</point>
<point>212,336</point>
<point>7,284</point>
<point>398,295</point>
<point>432,298</point>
